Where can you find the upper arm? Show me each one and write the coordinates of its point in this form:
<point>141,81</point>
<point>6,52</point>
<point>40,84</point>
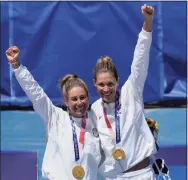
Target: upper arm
<point>139,67</point>
<point>41,102</point>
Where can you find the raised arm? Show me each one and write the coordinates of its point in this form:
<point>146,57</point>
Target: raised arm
<point>139,67</point>
<point>41,103</point>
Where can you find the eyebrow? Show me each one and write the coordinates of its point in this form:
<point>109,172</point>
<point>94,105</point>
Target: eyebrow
<point>110,82</point>
<point>79,96</point>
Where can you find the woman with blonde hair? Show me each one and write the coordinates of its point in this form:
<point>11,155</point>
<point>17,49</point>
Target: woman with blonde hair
<point>126,139</point>
<point>73,149</point>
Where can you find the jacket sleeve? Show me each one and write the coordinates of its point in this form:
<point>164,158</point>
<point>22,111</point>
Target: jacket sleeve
<point>139,67</point>
<point>41,102</point>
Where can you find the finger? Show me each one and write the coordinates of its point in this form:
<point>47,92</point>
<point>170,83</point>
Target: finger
<point>15,49</point>
<point>8,55</point>
<point>143,7</point>
<point>10,49</point>
<point>9,52</point>
<point>149,10</point>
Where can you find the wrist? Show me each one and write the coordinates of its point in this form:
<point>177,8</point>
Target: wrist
<point>147,26</point>
<point>15,65</point>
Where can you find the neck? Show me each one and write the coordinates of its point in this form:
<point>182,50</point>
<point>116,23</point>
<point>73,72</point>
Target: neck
<point>108,102</point>
<point>81,116</point>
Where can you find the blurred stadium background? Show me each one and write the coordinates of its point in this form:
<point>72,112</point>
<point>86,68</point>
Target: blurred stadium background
<point>56,38</point>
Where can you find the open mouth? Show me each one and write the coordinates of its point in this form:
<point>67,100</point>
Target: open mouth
<point>80,109</point>
<point>106,95</point>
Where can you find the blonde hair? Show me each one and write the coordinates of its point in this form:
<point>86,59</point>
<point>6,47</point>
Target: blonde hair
<point>69,81</point>
<point>105,64</point>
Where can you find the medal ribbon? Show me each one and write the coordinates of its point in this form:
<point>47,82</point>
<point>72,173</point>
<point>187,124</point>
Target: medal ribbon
<point>117,119</point>
<point>81,138</point>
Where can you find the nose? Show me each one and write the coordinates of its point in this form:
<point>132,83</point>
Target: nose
<point>79,102</point>
<point>105,89</point>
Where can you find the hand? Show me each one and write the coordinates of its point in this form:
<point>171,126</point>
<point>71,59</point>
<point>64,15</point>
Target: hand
<point>12,54</point>
<point>148,14</point>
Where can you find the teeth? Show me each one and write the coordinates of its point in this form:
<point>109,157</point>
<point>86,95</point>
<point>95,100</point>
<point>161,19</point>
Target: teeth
<point>107,94</point>
<point>80,108</point>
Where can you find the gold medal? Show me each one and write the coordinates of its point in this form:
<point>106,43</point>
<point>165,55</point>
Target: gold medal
<point>78,172</point>
<point>118,154</point>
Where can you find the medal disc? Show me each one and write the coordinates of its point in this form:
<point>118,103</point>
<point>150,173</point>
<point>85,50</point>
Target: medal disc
<point>78,172</point>
<point>118,154</point>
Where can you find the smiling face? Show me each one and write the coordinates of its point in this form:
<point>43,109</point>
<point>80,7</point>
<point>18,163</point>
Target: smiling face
<point>106,85</point>
<point>106,79</point>
<point>77,101</point>
<point>75,94</point>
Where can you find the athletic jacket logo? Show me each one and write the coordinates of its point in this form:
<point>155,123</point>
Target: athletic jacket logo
<point>95,132</point>
<point>100,117</point>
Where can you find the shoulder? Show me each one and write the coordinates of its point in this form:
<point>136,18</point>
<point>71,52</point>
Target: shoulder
<point>60,110</point>
<point>96,104</point>
<point>60,115</point>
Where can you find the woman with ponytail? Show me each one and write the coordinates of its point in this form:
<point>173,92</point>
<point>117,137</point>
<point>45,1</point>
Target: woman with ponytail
<point>72,149</point>
<point>126,139</point>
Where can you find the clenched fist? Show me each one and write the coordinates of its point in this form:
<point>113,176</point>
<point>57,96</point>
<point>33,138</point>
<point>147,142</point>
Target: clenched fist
<point>148,14</point>
<point>12,54</point>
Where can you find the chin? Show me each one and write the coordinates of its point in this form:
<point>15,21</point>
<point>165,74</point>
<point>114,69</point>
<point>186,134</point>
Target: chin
<point>106,100</point>
<point>80,115</point>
